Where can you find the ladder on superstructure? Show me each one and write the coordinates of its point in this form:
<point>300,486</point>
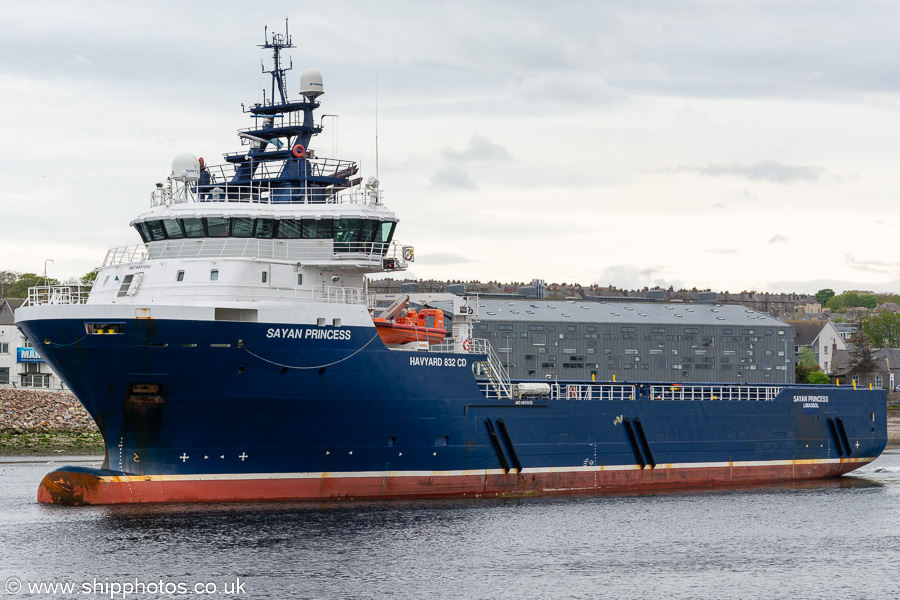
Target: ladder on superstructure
<point>493,369</point>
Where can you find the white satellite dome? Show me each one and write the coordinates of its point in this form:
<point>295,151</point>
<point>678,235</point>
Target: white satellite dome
<point>186,167</point>
<point>311,83</point>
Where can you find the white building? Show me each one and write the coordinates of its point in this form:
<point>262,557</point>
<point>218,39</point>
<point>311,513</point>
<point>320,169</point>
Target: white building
<point>20,364</point>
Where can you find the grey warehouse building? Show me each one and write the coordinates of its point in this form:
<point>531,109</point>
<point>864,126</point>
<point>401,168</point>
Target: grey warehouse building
<point>637,341</point>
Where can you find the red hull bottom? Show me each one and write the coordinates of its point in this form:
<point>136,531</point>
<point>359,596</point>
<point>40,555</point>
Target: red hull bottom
<point>79,488</point>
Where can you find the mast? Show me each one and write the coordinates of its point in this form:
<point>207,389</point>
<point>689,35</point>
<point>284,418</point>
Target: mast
<point>278,42</point>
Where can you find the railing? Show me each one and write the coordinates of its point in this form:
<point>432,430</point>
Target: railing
<point>656,392</point>
<point>200,293</point>
<point>306,251</point>
<point>714,392</point>
<point>263,192</point>
<point>125,254</point>
<point>58,294</point>
<point>592,391</point>
<point>236,292</point>
<point>273,168</point>
<point>494,370</point>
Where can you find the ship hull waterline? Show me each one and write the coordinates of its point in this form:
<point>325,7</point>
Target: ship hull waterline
<point>89,487</point>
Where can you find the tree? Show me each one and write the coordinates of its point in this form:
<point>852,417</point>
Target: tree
<point>20,288</point>
<point>7,279</point>
<point>808,357</point>
<point>818,378</point>
<point>824,295</point>
<point>852,299</point>
<point>883,327</point>
<point>89,278</point>
<point>861,358</point>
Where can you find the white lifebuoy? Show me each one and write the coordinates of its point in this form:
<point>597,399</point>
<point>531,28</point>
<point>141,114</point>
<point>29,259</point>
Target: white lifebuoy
<point>298,151</point>
<point>467,345</point>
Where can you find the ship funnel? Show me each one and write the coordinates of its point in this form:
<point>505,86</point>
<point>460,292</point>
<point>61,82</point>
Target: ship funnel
<point>311,84</point>
<point>186,167</point>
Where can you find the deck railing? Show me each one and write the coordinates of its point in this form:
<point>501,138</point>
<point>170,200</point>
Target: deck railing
<point>199,293</point>
<point>58,294</point>
<point>555,390</point>
<point>263,192</point>
<point>306,251</point>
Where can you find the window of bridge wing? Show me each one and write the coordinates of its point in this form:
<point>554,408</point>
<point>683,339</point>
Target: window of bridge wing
<point>144,231</point>
<point>155,230</point>
<point>384,234</point>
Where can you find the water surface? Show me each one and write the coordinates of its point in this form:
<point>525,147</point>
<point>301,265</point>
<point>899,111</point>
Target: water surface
<point>835,539</point>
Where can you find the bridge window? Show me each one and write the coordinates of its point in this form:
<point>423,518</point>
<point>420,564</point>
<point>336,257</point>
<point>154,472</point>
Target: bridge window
<point>242,228</point>
<point>317,229</point>
<point>347,233</point>
<point>386,233</point>
<point>155,230</point>
<point>173,229</point>
<point>216,227</point>
<point>290,229</point>
<point>264,229</point>
<point>193,228</point>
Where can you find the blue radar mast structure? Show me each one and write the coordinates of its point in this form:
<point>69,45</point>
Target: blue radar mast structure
<point>280,160</point>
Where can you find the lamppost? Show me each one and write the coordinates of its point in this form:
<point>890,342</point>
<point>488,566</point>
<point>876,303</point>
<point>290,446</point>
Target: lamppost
<point>45,270</point>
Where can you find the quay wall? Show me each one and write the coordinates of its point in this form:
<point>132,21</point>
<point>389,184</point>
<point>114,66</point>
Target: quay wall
<point>31,410</point>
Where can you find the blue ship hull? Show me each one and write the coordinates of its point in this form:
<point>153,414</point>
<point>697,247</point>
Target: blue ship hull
<point>200,411</point>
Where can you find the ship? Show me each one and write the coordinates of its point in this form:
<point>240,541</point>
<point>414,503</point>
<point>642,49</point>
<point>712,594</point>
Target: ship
<point>236,354</point>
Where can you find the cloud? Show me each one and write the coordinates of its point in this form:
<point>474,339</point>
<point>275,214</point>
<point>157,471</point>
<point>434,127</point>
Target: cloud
<point>634,277</point>
<point>778,239</point>
<point>78,60</point>
<point>452,178</point>
<point>723,251</point>
<point>872,266</point>
<point>741,197</point>
<point>480,149</point>
<point>445,258</point>
<point>769,171</point>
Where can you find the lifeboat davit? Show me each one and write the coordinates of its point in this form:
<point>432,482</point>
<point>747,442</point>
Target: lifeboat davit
<point>426,325</point>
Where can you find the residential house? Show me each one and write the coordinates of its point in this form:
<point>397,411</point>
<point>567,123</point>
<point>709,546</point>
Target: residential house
<point>879,377</point>
<point>20,364</point>
<point>822,338</point>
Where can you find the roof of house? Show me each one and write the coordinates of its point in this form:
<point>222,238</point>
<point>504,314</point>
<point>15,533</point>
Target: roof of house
<point>805,332</point>
<point>573,311</point>
<point>7,310</point>
<point>883,357</point>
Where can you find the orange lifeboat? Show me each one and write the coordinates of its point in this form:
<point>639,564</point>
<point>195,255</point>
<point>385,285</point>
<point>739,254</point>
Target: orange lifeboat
<point>426,325</point>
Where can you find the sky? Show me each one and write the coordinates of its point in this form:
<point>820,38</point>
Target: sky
<point>745,145</point>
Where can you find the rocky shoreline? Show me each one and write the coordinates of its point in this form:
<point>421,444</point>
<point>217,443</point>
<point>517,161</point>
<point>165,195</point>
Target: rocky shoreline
<point>37,421</point>
<point>43,422</point>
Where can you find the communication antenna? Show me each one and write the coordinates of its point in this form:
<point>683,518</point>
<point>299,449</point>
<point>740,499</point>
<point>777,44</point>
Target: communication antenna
<point>377,175</point>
